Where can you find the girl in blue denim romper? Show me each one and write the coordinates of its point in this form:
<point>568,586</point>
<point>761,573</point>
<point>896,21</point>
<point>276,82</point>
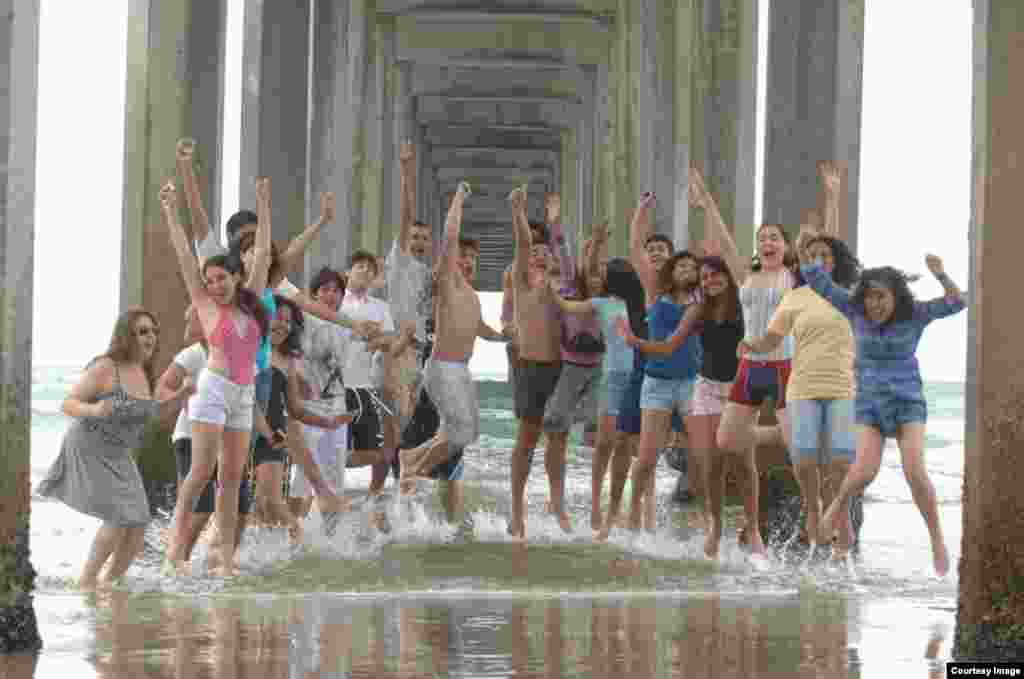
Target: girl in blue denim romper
<point>888,324</point>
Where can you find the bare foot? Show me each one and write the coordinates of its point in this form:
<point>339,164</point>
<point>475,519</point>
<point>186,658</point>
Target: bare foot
<point>941,560</point>
<point>712,539</point>
<point>596,521</point>
<point>87,584</point>
<point>517,530</point>
<point>224,571</point>
<point>604,532</point>
<point>825,529</point>
<point>379,520</point>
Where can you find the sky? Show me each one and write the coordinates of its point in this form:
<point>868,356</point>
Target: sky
<point>914,191</point>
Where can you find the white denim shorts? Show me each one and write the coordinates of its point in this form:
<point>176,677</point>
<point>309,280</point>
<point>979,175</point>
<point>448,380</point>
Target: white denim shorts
<point>218,400</point>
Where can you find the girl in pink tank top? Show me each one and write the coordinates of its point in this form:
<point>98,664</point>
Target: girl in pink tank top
<point>235,321</point>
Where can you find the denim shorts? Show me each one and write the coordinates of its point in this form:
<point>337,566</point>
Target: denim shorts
<point>886,414</point>
<point>614,388</point>
<point>823,429</point>
<point>661,394</point>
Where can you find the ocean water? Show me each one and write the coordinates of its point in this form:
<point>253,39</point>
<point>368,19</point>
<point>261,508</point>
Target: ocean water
<point>430,599</point>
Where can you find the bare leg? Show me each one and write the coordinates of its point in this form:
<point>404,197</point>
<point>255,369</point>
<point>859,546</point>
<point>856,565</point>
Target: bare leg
<point>911,441</point>
<point>554,464</point>
<point>389,425</point>
<point>702,431</point>
<point>269,477</point>
<point>736,434</point>
<point>621,461</point>
<point>454,500</point>
<point>206,445</point>
<point>654,429</point>
<point>863,472</point>
<point>829,491</point>
<point>807,477</point>
<point>196,526</point>
<point>128,547</point>
<point>606,441</point>
<point>522,454</point>
<point>234,454</point>
<point>103,545</point>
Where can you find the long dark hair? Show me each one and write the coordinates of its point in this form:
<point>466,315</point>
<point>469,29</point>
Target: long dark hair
<point>729,300</point>
<point>666,278</point>
<point>292,345</point>
<point>124,344</point>
<point>248,301</point>
<point>789,260</point>
<point>845,265</point>
<point>623,282</point>
<point>248,241</point>
<point>895,281</point>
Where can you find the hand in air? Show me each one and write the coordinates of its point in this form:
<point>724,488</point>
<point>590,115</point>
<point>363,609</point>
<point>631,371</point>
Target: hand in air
<point>807,234</point>
<point>553,208</point>
<point>169,195</point>
<point>647,199</point>
<point>934,264</point>
<point>407,152</point>
<point>518,198</point>
<point>830,176</point>
<point>696,191</point>
<point>711,247</point>
<point>328,207</point>
<point>600,232</point>
<point>185,149</point>
<point>263,189</point>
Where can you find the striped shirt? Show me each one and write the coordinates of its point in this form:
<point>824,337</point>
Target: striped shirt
<point>886,353</point>
<point>759,303</point>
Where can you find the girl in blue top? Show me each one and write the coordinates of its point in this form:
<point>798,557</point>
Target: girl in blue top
<point>621,300</point>
<point>887,325</point>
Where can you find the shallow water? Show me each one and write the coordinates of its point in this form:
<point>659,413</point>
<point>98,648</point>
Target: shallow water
<point>430,599</point>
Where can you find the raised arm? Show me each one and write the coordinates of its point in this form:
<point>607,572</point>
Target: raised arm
<point>553,218</point>
<point>639,230</point>
<point>714,226</point>
<point>508,319</point>
<point>831,180</point>
<point>407,193</point>
<point>448,263</point>
<point>820,280</point>
<point>570,306</point>
<point>201,231</point>
<point>598,242</point>
<point>950,303</point>
<point>292,255</point>
<point>364,329</point>
<point>186,260</point>
<point>521,227</point>
<point>261,247</point>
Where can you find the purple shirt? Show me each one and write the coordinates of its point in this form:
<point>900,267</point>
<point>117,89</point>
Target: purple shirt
<point>573,325</point>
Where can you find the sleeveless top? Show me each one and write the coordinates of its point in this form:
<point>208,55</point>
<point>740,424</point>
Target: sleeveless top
<point>240,350</point>
<point>277,416</point>
<point>662,320</point>
<point>719,340</point>
<point>759,304</point>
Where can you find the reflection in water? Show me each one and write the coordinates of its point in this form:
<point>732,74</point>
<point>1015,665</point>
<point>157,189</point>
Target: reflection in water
<point>314,636</point>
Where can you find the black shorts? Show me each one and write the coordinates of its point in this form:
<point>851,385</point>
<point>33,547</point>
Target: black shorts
<point>263,452</point>
<point>366,431</point>
<point>535,382</point>
<point>183,461</point>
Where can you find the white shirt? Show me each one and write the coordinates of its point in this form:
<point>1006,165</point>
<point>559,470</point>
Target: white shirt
<point>193,361</point>
<point>325,348</point>
<point>361,369</point>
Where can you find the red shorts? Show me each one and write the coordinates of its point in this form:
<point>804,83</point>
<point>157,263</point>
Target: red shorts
<point>759,380</point>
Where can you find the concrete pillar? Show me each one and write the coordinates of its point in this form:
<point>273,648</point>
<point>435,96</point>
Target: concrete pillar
<point>403,128</point>
<point>813,108</point>
<point>723,100</point>
<point>338,85</point>
<point>19,69</point>
<point>275,93</point>
<point>380,197</point>
<point>174,86</point>
<point>584,160</point>
<point>567,185</point>
<point>991,602</point>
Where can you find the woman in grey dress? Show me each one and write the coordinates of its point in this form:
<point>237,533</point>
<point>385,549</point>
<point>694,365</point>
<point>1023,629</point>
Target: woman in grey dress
<point>95,472</point>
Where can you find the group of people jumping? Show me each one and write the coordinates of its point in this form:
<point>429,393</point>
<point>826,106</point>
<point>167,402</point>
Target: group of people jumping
<point>370,367</point>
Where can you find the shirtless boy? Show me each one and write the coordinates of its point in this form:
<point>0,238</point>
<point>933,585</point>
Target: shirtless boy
<point>446,376</point>
<point>537,318</point>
